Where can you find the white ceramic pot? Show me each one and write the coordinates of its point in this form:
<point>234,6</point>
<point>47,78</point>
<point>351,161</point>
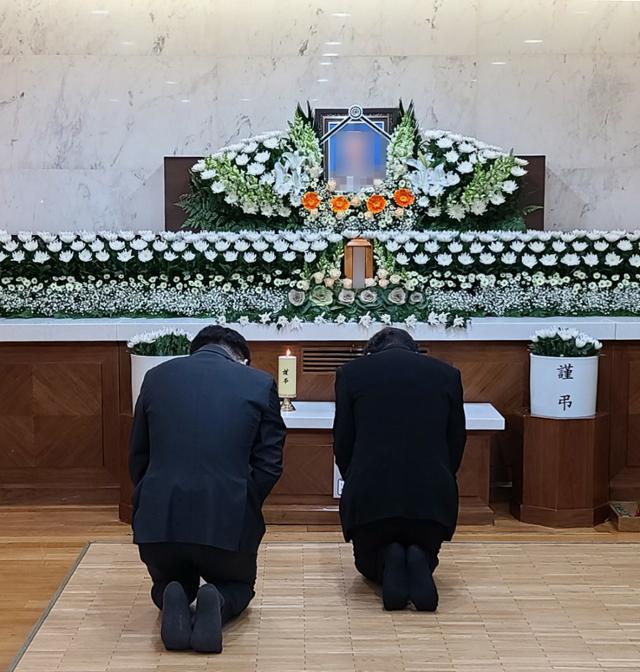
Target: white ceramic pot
<point>140,364</point>
<point>563,387</point>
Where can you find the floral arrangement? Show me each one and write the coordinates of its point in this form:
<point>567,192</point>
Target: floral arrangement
<point>434,179</point>
<point>289,277</point>
<point>162,343</point>
<point>561,342</point>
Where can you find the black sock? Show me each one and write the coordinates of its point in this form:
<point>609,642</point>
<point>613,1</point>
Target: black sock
<point>176,618</point>
<point>207,625</point>
<point>395,580</point>
<point>422,588</point>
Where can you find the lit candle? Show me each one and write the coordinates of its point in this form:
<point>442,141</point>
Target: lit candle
<point>287,376</point>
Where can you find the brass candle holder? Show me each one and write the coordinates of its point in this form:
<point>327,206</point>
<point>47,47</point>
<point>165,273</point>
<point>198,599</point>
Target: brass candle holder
<point>286,405</point>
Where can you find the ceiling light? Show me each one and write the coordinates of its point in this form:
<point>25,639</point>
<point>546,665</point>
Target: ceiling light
<point>333,44</point>
<point>341,15</point>
<point>100,12</point>
<point>322,80</point>
<point>331,55</point>
<point>498,62</point>
<point>326,63</point>
<point>533,41</point>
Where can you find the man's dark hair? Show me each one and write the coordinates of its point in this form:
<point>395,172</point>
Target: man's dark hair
<point>389,337</point>
<point>228,338</point>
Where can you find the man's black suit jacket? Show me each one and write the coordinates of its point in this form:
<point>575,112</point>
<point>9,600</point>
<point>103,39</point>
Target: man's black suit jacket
<point>399,436</point>
<point>205,451</point>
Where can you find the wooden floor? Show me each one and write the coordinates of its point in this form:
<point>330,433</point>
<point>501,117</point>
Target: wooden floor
<point>39,545</point>
<point>514,607</point>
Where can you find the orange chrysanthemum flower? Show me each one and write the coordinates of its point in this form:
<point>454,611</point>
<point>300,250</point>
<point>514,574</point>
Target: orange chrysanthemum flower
<point>404,198</point>
<point>340,204</point>
<point>310,200</point>
<point>376,203</point>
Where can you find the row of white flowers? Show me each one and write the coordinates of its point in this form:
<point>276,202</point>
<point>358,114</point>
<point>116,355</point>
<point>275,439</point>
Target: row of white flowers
<point>442,248</point>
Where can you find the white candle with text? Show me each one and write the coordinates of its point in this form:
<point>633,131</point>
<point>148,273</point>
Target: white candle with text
<point>287,375</point>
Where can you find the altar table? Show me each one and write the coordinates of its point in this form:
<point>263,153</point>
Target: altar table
<point>305,493</point>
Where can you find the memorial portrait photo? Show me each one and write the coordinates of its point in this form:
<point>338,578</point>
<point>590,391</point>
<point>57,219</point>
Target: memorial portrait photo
<point>356,155</point>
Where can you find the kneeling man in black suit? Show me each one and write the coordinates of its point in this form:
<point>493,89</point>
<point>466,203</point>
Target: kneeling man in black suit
<point>399,435</point>
<point>205,451</point>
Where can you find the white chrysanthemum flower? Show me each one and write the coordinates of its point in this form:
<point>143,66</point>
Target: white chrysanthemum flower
<point>188,255</point>
<point>230,255</point>
<point>445,142</point>
<point>210,255</point>
<point>402,259</point>
<point>537,246</point>
<point>465,259</point>
<point>125,255</point>
<point>18,256</point>
<point>509,186</point>
<point>85,256</point>
<point>66,256</point>
<point>590,259</point>
<point>103,255</point>
<point>242,159</point>
<point>255,168</point>
<point>199,166</point>
<point>269,257</point>
<point>452,156</point>
<point>518,171</point>
<point>54,246</point>
<point>217,187</point>
<point>549,259</point>
<point>41,257</point>
<point>487,258</point>
<point>138,244</point>
<point>570,259</point>
<point>170,256</point>
<point>612,259</point>
<point>509,258</point>
<point>456,211</point>
<point>497,199</point>
<point>529,260</point>
<point>208,174</point>
<point>465,167</point>
<point>421,259</point>
<point>262,157</point>
<point>478,207</point>
<point>444,259</point>
<point>634,260</point>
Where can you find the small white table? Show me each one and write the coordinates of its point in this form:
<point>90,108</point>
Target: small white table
<point>480,417</point>
<point>320,414</point>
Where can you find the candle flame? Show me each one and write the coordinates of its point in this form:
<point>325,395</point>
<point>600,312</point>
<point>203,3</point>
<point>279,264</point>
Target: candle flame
<point>288,352</point>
